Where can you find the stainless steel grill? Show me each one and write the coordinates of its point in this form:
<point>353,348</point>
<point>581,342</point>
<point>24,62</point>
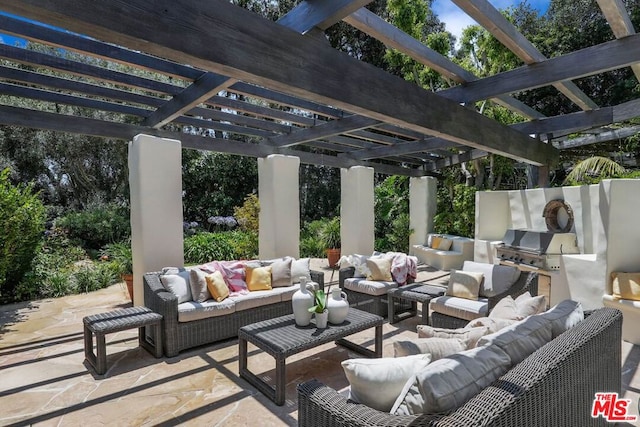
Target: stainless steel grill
<point>536,249</point>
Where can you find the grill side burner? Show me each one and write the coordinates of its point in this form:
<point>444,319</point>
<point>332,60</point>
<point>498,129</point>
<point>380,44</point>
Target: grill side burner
<point>536,249</point>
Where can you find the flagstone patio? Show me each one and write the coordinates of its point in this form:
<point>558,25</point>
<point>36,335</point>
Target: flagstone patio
<point>45,380</point>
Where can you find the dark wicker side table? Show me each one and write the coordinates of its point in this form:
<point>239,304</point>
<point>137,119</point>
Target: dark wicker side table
<point>116,321</point>
<point>281,338</point>
<point>415,293</point>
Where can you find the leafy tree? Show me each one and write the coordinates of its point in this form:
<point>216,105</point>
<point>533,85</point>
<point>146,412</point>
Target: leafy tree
<point>22,217</point>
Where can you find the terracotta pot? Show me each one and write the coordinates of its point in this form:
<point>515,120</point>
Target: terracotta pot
<point>333,255</point>
<point>128,278</point>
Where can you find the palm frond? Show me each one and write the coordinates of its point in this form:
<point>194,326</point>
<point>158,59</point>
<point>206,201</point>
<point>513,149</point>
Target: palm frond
<point>594,166</point>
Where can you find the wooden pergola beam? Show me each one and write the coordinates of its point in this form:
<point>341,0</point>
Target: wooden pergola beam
<point>610,135</point>
<point>592,60</point>
<point>334,127</point>
<point>620,23</point>
<point>280,59</point>
<point>319,13</point>
<point>493,21</point>
<point>400,149</point>
<point>371,24</point>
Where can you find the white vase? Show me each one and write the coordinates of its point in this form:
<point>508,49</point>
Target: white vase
<point>321,319</point>
<point>302,301</point>
<point>338,306</point>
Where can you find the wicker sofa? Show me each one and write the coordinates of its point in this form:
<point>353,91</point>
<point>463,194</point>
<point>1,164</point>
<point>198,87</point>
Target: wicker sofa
<point>178,336</point>
<point>554,386</point>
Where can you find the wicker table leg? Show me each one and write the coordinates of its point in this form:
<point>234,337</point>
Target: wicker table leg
<point>275,394</point>
<point>154,347</point>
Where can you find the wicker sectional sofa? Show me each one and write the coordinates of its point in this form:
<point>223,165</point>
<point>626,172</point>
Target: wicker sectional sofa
<point>207,328</point>
<point>554,386</point>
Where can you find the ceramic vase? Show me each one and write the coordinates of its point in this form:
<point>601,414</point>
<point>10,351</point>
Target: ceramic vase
<point>338,306</point>
<point>302,301</point>
<point>321,319</point>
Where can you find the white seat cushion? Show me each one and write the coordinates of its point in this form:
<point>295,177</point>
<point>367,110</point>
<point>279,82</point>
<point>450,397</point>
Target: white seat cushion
<point>369,287</point>
<point>461,308</point>
<point>286,292</point>
<point>256,299</point>
<point>191,310</point>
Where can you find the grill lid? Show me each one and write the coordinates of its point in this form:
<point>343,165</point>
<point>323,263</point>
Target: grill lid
<point>542,242</point>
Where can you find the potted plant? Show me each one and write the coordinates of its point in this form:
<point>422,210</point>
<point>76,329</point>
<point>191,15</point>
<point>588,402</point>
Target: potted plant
<point>330,237</point>
<point>320,308</point>
<point>121,255</point>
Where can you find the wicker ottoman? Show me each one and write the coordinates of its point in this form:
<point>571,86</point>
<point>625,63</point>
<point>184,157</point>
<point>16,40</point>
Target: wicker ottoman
<point>116,321</point>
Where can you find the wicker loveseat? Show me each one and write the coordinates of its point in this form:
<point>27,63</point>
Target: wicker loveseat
<point>178,336</point>
<point>554,386</point>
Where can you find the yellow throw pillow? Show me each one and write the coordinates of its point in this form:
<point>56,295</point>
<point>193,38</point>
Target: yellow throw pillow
<point>258,278</point>
<point>626,285</point>
<point>464,284</point>
<point>217,286</point>
<point>380,269</point>
<point>435,242</point>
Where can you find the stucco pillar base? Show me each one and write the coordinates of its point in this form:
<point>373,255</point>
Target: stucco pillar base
<point>155,182</point>
<point>278,191</point>
<point>357,210</point>
<point>422,208</point>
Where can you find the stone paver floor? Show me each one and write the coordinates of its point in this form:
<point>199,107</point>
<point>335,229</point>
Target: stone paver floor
<point>45,381</point>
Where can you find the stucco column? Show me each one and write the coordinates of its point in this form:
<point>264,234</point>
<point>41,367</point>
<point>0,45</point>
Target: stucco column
<point>422,208</point>
<point>278,191</point>
<point>155,183</point>
<point>357,210</point>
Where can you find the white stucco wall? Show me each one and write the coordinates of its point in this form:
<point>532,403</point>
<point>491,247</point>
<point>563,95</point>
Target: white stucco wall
<point>357,210</point>
<point>155,182</point>
<point>422,208</point>
<point>278,191</point>
<point>605,223</point>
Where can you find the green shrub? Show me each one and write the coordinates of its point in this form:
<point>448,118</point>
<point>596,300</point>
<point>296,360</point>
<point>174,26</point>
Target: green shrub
<point>119,254</point>
<point>456,211</point>
<point>22,219</point>
<point>244,243</point>
<point>205,247</point>
<point>97,226</point>
<point>248,214</point>
<point>311,246</point>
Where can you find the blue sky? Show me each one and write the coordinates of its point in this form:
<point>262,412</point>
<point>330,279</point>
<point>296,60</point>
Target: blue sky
<point>456,20</point>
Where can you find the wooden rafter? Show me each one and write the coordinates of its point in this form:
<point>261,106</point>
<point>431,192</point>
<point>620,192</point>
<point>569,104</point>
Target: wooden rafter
<point>335,127</point>
<point>494,22</point>
<point>319,13</point>
<point>281,60</point>
<point>620,23</point>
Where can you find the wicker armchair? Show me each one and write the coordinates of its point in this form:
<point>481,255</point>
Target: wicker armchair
<point>554,386</point>
<point>528,282</point>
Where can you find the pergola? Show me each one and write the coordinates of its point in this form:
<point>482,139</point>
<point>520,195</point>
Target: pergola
<point>300,97</point>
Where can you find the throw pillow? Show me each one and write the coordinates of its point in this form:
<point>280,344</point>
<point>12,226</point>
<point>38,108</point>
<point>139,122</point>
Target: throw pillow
<point>198,285</point>
<point>258,278</point>
<point>506,308</point>
<point>217,286</point>
<point>380,269</point>
<point>378,382</point>
<point>448,383</point>
<point>234,275</point>
<point>445,244</point>
<point>520,339</point>
<point>178,284</point>
<point>626,285</point>
<point>470,335</point>
<point>563,316</point>
<point>300,268</point>
<point>436,347</point>
<point>497,278</point>
<point>435,242</point>
<point>527,305</point>
<point>464,284</point>
<point>281,273</point>
<point>492,324</point>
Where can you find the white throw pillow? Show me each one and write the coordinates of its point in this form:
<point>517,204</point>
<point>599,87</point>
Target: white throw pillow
<point>436,347</point>
<point>178,284</point>
<point>497,278</point>
<point>300,268</point>
<point>377,383</point>
<point>520,339</point>
<point>448,383</point>
<point>526,305</point>
<point>506,308</point>
<point>469,335</point>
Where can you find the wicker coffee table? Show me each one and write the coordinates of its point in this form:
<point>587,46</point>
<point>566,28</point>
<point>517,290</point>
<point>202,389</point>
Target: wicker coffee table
<point>281,338</point>
<point>415,293</point>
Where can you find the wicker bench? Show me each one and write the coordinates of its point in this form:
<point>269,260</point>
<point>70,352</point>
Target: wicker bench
<point>116,321</point>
